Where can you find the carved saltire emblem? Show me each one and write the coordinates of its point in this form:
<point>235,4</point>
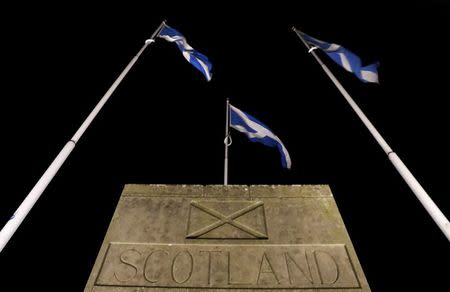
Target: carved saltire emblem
<point>227,220</point>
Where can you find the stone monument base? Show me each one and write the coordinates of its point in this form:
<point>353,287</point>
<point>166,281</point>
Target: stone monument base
<point>216,238</point>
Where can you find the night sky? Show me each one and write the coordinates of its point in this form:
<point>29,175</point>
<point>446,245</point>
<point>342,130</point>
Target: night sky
<point>165,123</point>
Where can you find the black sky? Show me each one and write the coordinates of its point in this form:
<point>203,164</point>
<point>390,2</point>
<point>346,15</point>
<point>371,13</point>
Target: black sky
<point>165,123</point>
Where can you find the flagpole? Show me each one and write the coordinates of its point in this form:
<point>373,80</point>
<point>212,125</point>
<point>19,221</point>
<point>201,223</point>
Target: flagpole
<point>227,143</point>
<point>432,209</point>
<point>14,222</point>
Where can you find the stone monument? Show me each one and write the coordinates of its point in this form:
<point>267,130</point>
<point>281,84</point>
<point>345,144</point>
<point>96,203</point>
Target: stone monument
<point>216,238</point>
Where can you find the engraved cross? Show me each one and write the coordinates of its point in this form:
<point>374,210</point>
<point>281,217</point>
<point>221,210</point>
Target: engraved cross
<point>227,219</point>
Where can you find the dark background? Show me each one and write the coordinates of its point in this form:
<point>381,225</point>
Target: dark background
<point>165,123</point>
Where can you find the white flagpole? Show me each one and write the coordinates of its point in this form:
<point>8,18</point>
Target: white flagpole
<point>227,143</point>
<point>14,222</point>
<point>432,209</point>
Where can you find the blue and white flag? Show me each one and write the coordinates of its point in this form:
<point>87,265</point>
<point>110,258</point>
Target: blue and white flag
<point>258,132</point>
<point>345,58</point>
<point>197,59</point>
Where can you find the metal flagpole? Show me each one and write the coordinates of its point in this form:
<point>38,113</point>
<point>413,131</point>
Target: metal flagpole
<point>14,222</point>
<point>432,209</point>
<point>227,143</point>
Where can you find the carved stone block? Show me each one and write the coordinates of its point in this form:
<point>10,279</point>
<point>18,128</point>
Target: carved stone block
<point>216,238</point>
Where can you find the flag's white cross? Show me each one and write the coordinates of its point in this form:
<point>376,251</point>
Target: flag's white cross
<point>187,51</point>
<point>260,132</point>
<point>223,219</point>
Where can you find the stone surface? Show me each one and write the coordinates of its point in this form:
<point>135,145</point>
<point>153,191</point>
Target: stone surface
<point>216,238</point>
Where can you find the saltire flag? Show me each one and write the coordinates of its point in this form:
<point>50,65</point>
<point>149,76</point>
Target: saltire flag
<point>256,131</point>
<point>345,58</point>
<point>197,59</point>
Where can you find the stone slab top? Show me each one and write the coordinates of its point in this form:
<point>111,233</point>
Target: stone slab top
<point>244,191</point>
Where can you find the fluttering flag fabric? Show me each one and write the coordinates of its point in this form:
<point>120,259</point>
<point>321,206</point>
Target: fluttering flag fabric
<point>256,131</point>
<point>197,59</point>
<point>345,58</point>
